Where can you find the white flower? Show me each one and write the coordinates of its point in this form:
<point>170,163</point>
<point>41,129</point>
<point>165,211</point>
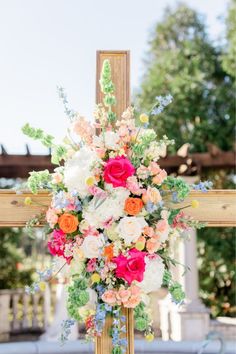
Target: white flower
<point>155,151</point>
<point>153,275</point>
<point>109,140</point>
<point>100,211</point>
<point>78,170</point>
<point>92,246</point>
<point>130,228</point>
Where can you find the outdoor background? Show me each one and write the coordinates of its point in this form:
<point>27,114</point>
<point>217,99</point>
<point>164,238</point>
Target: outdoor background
<point>185,49</point>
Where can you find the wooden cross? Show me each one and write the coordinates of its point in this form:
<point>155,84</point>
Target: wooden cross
<point>217,207</point>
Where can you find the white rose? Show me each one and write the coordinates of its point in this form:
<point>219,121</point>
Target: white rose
<point>130,228</point>
<point>92,246</point>
<point>153,275</point>
<point>78,169</point>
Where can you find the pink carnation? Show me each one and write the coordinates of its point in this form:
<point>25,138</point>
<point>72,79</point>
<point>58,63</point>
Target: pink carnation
<point>132,267</point>
<point>91,265</point>
<point>57,243</point>
<point>117,170</point>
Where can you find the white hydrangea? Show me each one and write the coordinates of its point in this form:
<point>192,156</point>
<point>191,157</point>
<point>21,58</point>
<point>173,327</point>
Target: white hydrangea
<point>98,212</point>
<point>153,275</point>
<point>78,170</point>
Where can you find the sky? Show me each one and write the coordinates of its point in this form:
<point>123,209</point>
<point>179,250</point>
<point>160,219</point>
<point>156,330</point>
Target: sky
<point>45,43</point>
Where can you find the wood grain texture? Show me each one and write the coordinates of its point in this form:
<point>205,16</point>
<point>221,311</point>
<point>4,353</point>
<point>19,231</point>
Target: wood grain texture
<point>216,207</point>
<point>120,67</point>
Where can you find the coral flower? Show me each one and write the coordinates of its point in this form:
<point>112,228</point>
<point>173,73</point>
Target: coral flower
<point>68,223</point>
<point>133,206</point>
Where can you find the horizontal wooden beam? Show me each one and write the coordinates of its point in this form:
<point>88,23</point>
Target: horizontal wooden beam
<point>217,207</point>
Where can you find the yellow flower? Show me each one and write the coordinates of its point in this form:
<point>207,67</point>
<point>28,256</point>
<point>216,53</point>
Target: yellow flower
<point>149,337</point>
<point>194,203</point>
<point>28,201</point>
<point>143,118</point>
<point>139,245</point>
<point>90,181</point>
<point>42,286</point>
<point>95,278</point>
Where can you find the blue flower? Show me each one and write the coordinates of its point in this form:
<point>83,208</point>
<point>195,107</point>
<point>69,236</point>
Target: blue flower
<point>202,186</point>
<point>151,207</point>
<point>162,102</point>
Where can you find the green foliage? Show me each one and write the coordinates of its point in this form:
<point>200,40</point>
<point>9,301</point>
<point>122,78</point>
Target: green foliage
<point>178,186</point>
<point>182,61</point>
<point>38,134</point>
<point>200,76</point>
<point>229,56</point>
<point>11,256</point>
<point>108,88</point>
<point>78,296</point>
<point>38,180</point>
<point>58,151</point>
<point>141,319</point>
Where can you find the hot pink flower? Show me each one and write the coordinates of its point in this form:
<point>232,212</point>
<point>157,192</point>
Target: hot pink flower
<point>56,244</point>
<point>117,170</point>
<point>132,267</point>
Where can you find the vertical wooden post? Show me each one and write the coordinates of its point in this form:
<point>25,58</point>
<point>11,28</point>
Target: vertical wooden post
<point>120,66</point>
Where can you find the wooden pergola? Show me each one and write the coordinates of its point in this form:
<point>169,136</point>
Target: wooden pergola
<point>217,207</point>
<point>183,163</point>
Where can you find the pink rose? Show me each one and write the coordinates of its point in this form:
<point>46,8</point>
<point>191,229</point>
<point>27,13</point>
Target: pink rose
<point>132,267</point>
<point>117,170</point>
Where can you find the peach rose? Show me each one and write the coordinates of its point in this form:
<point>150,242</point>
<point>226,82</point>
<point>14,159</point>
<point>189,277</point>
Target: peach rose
<point>123,295</point>
<point>68,223</point>
<point>153,244</point>
<point>132,302</point>
<point>158,179</point>
<point>133,206</point>
<point>151,195</point>
<point>109,297</point>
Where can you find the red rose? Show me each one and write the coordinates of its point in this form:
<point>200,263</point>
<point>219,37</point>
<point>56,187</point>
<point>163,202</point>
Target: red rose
<point>132,267</point>
<point>117,170</point>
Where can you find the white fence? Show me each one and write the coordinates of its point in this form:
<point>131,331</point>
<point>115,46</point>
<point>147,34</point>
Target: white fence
<point>23,313</point>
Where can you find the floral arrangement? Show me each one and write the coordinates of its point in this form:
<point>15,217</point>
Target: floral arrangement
<point>112,215</point>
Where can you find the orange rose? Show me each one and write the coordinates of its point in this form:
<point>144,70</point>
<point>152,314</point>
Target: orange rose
<point>108,252</point>
<point>68,223</point>
<point>133,206</point>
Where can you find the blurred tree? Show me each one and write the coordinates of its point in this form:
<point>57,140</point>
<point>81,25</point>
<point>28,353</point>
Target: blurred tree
<point>182,61</point>
<point>229,57</point>
<point>13,275</point>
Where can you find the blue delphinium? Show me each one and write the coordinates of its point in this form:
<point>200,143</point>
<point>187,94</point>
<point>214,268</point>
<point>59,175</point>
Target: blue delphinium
<point>202,186</point>
<point>62,95</point>
<point>162,102</point>
<point>66,330</point>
